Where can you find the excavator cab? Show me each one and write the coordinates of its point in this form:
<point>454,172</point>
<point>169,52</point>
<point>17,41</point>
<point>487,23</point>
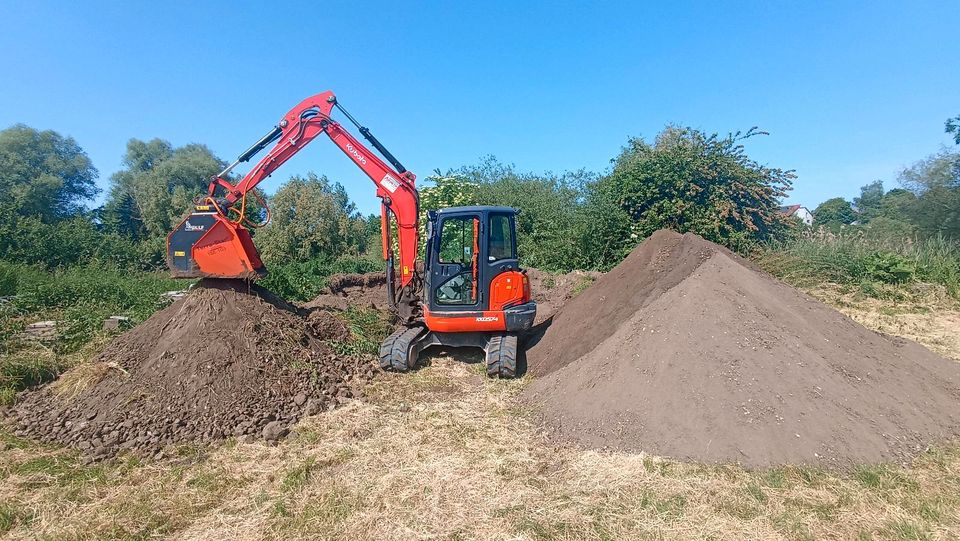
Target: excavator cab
<point>473,280</point>
<point>474,293</point>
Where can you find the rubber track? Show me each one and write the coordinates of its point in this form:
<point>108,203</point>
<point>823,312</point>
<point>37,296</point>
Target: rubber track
<point>395,350</point>
<point>502,356</point>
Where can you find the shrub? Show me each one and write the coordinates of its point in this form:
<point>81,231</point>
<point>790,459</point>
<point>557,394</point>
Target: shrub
<point>304,280</point>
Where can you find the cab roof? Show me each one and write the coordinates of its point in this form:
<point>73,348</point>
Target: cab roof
<point>476,208</point>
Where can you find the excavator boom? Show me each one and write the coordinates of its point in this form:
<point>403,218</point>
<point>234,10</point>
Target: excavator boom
<point>215,239</point>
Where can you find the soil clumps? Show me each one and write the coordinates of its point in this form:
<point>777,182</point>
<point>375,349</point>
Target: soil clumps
<point>230,359</point>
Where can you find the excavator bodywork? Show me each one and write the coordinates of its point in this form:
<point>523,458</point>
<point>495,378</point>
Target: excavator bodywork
<point>471,291</point>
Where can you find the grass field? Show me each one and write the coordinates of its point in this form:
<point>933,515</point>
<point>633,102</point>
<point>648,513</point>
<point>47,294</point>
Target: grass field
<point>444,453</point>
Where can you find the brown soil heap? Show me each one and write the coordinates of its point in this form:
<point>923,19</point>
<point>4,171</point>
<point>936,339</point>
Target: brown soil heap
<point>228,360</point>
<point>686,350</point>
<point>343,290</point>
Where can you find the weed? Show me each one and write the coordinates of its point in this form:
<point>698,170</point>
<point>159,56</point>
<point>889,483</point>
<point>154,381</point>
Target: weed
<point>12,514</point>
<point>754,490</point>
<point>774,478</point>
<point>906,531</point>
<point>296,478</point>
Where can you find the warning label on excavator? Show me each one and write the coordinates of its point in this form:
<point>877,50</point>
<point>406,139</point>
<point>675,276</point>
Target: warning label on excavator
<point>390,183</point>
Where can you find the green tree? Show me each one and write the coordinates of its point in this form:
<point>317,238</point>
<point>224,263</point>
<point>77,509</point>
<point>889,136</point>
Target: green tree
<point>953,126</point>
<point>935,181</point>
<point>551,207</point>
<point>312,218</point>
<point>834,213</point>
<point>156,187</point>
<point>44,174</point>
<point>870,200</point>
<point>687,180</point>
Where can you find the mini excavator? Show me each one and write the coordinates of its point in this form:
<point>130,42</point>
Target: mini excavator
<point>469,292</point>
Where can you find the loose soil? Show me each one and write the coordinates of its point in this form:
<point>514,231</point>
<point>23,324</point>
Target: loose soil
<point>227,360</point>
<point>687,350</point>
<point>360,290</point>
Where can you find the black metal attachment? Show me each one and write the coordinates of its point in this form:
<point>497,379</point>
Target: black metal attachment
<point>373,140</point>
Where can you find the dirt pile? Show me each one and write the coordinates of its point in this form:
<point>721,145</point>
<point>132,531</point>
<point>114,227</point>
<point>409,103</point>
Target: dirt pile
<point>227,360</point>
<point>362,290</point>
<point>551,291</point>
<point>686,350</point>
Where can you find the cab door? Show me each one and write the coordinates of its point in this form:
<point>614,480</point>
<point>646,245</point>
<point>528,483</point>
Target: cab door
<point>500,256</point>
<point>455,272</point>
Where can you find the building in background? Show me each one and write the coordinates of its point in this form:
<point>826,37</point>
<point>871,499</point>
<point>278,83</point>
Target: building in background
<point>799,212</point>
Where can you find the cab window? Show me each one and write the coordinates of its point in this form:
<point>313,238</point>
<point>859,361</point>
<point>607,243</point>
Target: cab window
<point>457,241</point>
<point>502,244</point>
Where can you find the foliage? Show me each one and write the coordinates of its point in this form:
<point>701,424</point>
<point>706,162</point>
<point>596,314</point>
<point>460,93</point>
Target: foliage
<point>553,210</point>
<point>44,174</point>
<point>312,218</point>
<point>952,126</point>
<point>304,280</point>
<point>72,241</point>
<point>368,329</point>
<point>889,268</point>
<point>856,257</point>
<point>868,204</point>
<point>83,296</point>
<point>687,180</point>
<point>935,181</point>
<point>834,213</point>
<point>79,298</point>
<point>156,187</point>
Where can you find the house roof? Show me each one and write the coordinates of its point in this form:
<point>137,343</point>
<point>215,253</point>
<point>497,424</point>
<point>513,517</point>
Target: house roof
<point>789,210</point>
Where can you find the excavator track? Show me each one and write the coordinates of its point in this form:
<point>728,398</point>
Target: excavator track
<point>399,351</point>
<point>502,356</point>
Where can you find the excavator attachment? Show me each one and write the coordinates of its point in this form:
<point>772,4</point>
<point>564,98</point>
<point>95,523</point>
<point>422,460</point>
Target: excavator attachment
<point>207,244</point>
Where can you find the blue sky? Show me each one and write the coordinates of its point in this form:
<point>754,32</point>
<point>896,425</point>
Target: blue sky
<point>850,91</point>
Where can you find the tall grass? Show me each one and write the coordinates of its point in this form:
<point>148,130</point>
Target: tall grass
<point>79,299</point>
<point>855,257</point>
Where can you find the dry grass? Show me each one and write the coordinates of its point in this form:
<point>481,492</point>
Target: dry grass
<point>924,313</point>
<point>444,453</point>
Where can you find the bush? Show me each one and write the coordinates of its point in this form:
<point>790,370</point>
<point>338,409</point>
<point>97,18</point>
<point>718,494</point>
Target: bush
<point>304,280</point>
<point>889,268</point>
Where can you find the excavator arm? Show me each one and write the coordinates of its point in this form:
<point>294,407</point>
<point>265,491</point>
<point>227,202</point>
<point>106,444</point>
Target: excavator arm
<point>395,186</point>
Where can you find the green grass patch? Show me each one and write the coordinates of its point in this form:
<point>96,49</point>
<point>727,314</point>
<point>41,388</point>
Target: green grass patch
<point>368,328</point>
<point>13,514</point>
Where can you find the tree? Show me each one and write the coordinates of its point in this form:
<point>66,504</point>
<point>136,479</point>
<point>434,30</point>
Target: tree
<point>868,204</point>
<point>935,181</point>
<point>953,126</point>
<point>44,174</point>
<point>312,218</point>
<point>833,213</point>
<point>688,180</point>
<point>551,207</point>
<point>156,187</point>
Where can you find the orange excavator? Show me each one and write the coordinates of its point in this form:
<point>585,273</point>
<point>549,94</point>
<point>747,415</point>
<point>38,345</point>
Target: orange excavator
<point>469,292</point>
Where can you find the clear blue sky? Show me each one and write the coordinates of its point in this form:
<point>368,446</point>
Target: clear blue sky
<point>850,91</point>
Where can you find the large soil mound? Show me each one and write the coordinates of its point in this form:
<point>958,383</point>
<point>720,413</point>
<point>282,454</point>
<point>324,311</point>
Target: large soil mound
<point>228,360</point>
<point>686,350</point>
